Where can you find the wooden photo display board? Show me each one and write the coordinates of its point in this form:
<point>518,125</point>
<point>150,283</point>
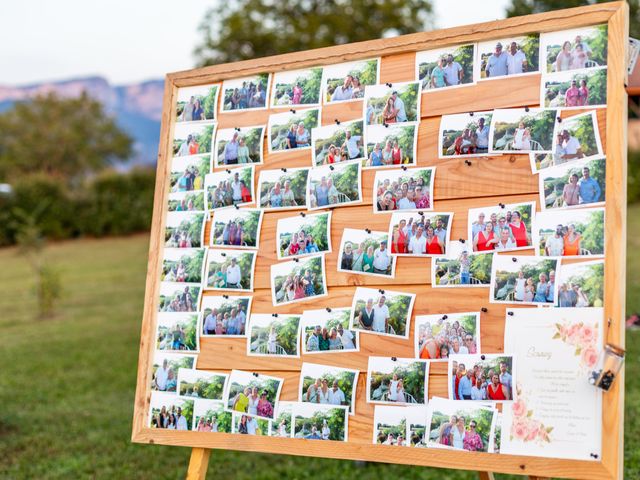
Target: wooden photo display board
<point>459,185</point>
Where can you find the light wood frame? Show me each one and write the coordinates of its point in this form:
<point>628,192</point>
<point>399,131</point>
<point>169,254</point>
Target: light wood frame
<point>508,175</point>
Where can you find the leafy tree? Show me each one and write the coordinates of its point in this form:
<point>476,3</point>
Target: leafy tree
<point>532,270</point>
<point>281,415</point>
<point>188,327</point>
<point>554,186</point>
<point>208,102</point>
<point>314,265</point>
<point>596,79</point>
<point>593,233</point>
<point>269,385</point>
<point>344,177</point>
<point>185,405</point>
<point>540,124</point>
<point>194,198</point>
<point>255,28</point>
<point>591,281</point>
<point>210,387</point>
<point>333,319</point>
<point>199,165</point>
<point>480,268</point>
<point>365,71</point>
<point>202,134</point>
<point>385,429</point>
<point>226,307</point>
<point>530,46</point>
<point>63,138</point>
<point>398,311</point>
<point>191,226</point>
<point>166,299</point>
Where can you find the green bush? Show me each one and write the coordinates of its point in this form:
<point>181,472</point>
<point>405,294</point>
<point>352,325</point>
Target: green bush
<point>633,177</point>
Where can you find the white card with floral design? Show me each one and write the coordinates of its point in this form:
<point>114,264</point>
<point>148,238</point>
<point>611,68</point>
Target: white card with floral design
<point>558,413</point>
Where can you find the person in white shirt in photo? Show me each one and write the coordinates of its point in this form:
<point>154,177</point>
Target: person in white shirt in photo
<point>344,91</point>
<point>236,188</point>
<point>181,421</point>
<point>380,316</point>
<point>554,245</point>
<point>381,259</point>
<point>233,274</point>
<point>252,425</point>
<point>452,72</point>
<point>418,243</point>
<point>392,396</point>
<point>482,136</point>
<point>336,395</point>
<point>521,283</point>
<point>346,337</point>
<point>571,146</point>
<point>457,348</point>
<point>398,105</point>
<point>505,242</point>
<point>516,60</point>
<point>352,144</point>
<point>326,431</point>
<point>162,374</point>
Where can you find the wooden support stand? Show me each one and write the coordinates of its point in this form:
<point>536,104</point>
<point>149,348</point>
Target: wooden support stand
<point>198,463</point>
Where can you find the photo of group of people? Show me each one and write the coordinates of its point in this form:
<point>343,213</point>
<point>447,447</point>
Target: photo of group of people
<point>327,385</point>
<point>225,315</point>
<point>397,381</point>
<point>576,184</point>
<point>184,230</point>
<point>170,411</point>
<point>581,284</point>
<point>210,416</point>
<point>460,426</point>
<point>177,332</point>
<point>186,201</point>
<point>524,280</point>
<point>575,49</point>
<point>201,384</point>
<point>182,265</point>
<point>314,421</point>
<point>271,335</point>
<point>179,297</point>
<point>391,103</point>
<point>296,88</point>
<point>298,280</point>
<point>338,142</point>
<point>229,188</point>
<point>440,335</point>
<point>508,56</point>
<point>464,134</point>
<point>481,377</point>
<point>187,174</point>
<point>391,145</point>
<point>252,394</point>
<point>580,234</point>
<point>292,130</point>
<point>238,146</point>
<point>365,253</point>
<point>237,228</point>
<point>461,268</point>
<point>301,236</point>
<point>345,82</point>
<point>195,104</point>
<point>502,227</point>
<point>230,270</point>
<point>574,88</point>
<point>420,234</point>
<point>164,370</point>
<point>193,139</point>
<point>328,331</point>
<point>410,189</point>
<point>247,93</point>
<point>284,189</point>
<point>399,426</point>
<point>334,185</point>
<point>448,67</point>
<point>382,312</point>
<point>522,130</point>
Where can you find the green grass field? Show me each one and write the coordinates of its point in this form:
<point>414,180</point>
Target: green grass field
<point>67,383</point>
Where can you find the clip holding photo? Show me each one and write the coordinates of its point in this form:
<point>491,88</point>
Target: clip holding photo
<point>484,310</point>
<point>328,309</point>
<point>368,230</point>
<point>337,121</point>
<point>389,85</point>
<point>302,214</point>
<point>381,291</point>
<point>236,129</point>
<point>526,109</point>
<point>226,297</point>
<point>284,169</point>
<point>467,162</point>
<point>292,111</point>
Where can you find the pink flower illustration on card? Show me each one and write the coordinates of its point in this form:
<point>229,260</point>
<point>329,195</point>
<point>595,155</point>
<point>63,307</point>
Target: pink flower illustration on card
<point>582,337</point>
<point>524,426</point>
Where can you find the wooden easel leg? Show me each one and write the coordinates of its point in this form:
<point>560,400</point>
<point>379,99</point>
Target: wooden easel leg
<point>198,464</point>
<point>485,476</point>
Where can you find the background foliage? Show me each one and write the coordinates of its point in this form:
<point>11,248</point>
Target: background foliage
<point>223,418</point>
<point>203,135</point>
<point>591,232</point>
<point>252,139</point>
<point>189,326</point>
<point>591,281</point>
<point>278,133</point>
<point>407,93</point>
<point>249,222</point>
<point>209,388</point>
<point>480,267</point>
<point>597,41</point>
<point>582,127</point>
<point>337,139</point>
<point>366,72</point>
<point>313,264</point>
<point>532,271</point>
<point>269,384</point>
<point>345,179</point>
<point>185,405</point>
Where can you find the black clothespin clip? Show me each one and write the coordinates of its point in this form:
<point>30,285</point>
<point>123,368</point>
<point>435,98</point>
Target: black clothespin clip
<point>328,309</point>
<point>236,206</point>
<point>593,455</point>
<point>255,374</point>
<point>337,121</point>
<point>394,359</point>
<point>559,119</point>
<point>284,170</point>
<point>292,111</point>
<point>514,259</point>
<point>471,114</point>
<point>461,240</point>
<point>389,85</point>
<point>467,162</point>
<point>331,167</point>
<point>228,171</point>
<point>296,260</point>
<point>501,205</point>
<point>444,317</point>
<point>482,357</point>
<point>368,230</point>
<point>404,167</point>
<point>381,291</point>
<point>484,310</point>
<point>226,297</point>
<point>223,254</point>
<point>421,214</point>
<point>385,124</point>
<point>526,109</point>
<point>510,313</point>
<point>274,315</point>
<point>302,214</point>
<point>236,129</point>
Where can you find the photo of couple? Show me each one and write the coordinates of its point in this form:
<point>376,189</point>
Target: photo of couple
<point>327,331</point>
<point>296,88</point>
<point>575,138</point>
<point>524,280</point>
<point>170,412</point>
<point>209,416</point>
<point>235,228</point>
<point>248,93</point>
<point>397,381</point>
<point>193,139</point>
<point>230,270</point>
<point>481,377</point>
<point>575,89</point>
<point>339,142</point>
<point>421,234</point>
<point>187,173</point>
<point>576,184</point>
<point>507,57</point>
<point>182,265</point>
<point>581,284</point>
<point>201,384</point>
<point>383,312</point>
<point>345,82</point>
<point>438,336</point>
<point>522,130</point>
<point>464,134</point>
<point>314,421</point>
<point>365,253</point>
<point>300,236</point>
<point>272,336</point>
<point>179,297</point>
<point>184,230</point>
<point>501,227</point>
<point>461,268</point>
<point>460,426</point>
<point>334,185</point>
<point>450,67</point>
<point>252,393</point>
<point>575,49</point>
<point>393,144</point>
<point>228,188</point>
<point>326,385</point>
<point>292,130</point>
<point>392,103</point>
<point>194,104</point>
<point>238,146</point>
<point>177,332</point>
<point>284,189</point>
<point>410,189</point>
<point>298,280</point>
<point>250,425</point>
<point>578,233</point>
<point>225,315</point>
<point>164,372</point>
<point>186,201</point>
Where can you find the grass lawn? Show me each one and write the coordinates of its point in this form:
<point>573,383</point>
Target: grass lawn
<point>67,384</point>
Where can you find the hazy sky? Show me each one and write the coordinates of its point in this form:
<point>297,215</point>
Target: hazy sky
<point>132,40</point>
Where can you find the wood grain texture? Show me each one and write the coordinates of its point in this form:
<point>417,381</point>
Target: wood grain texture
<point>457,188</point>
<point>198,464</point>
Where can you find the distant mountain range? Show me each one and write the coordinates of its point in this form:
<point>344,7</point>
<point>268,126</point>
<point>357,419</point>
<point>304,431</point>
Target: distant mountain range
<point>137,108</point>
